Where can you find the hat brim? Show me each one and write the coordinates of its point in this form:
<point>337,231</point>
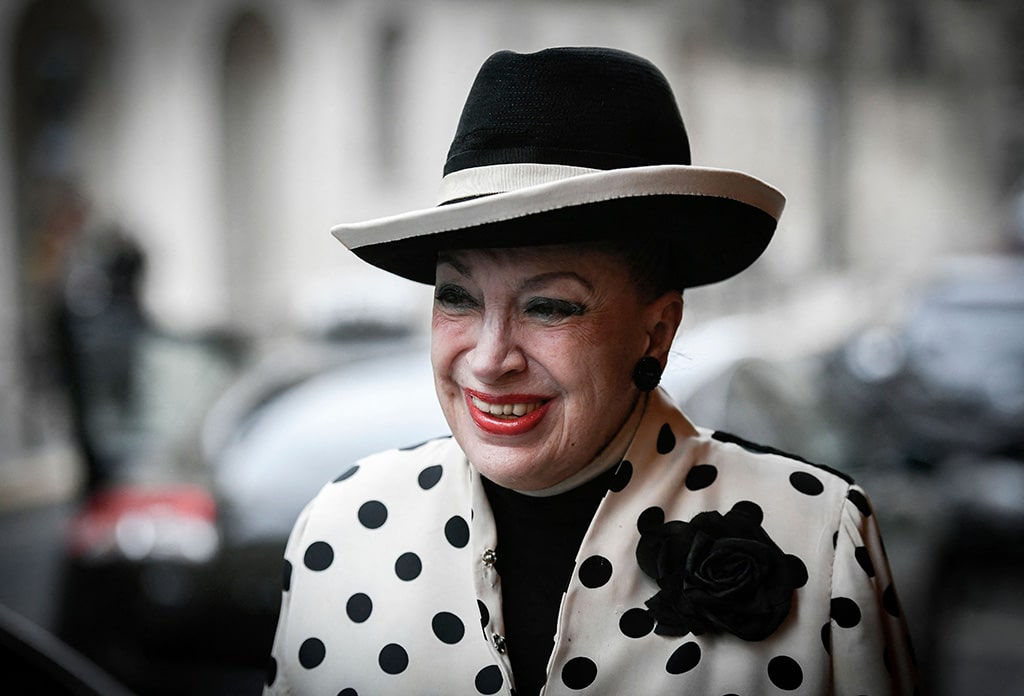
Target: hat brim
<point>716,221</point>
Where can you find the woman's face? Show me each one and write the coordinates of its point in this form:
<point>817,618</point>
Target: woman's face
<point>533,352</point>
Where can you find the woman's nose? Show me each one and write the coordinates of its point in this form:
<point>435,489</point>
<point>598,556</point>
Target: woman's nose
<point>497,352</point>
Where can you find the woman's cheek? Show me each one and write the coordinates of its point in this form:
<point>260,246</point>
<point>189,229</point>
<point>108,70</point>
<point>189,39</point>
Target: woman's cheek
<point>449,338</point>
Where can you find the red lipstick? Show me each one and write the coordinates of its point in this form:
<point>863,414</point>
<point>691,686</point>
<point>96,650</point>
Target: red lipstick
<point>505,425</point>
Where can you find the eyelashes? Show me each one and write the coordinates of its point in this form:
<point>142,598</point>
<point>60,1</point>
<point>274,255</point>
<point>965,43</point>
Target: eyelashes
<point>454,297</point>
<point>553,309</point>
<point>457,299</point>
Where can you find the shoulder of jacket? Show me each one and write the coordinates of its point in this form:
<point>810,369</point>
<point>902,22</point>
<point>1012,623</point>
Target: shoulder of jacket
<point>760,449</point>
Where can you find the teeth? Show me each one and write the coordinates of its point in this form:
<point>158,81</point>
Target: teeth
<point>506,410</point>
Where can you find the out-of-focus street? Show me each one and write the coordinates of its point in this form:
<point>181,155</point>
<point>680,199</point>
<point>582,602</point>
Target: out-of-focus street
<point>186,355</point>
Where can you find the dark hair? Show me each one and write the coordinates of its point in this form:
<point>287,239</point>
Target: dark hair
<point>650,262</point>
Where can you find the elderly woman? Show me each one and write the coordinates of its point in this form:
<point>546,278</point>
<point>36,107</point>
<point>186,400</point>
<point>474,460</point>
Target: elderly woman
<point>576,532</point>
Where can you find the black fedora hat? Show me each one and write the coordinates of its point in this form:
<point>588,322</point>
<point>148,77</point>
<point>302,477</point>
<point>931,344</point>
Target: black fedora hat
<point>576,144</point>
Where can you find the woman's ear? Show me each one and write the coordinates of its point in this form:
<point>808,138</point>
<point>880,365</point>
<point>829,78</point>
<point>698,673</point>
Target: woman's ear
<point>664,315</point>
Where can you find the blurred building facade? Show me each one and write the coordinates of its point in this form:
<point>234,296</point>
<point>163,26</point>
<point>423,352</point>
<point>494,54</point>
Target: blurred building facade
<point>226,137</point>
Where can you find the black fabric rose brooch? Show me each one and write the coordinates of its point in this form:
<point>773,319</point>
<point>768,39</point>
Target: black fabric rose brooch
<point>717,573</point>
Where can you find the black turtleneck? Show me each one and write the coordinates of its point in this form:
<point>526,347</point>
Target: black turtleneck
<point>538,539</point>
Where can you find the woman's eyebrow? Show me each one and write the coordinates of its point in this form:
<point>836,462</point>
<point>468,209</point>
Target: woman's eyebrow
<point>445,258</point>
<point>542,279</point>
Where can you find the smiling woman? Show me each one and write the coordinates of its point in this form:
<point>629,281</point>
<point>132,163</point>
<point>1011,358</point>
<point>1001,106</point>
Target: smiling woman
<point>602,541</point>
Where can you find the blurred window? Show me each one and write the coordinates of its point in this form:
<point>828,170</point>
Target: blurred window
<point>389,88</point>
<point>252,109</point>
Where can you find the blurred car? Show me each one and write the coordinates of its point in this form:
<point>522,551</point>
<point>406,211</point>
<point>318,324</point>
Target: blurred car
<point>140,527</point>
<point>947,377</point>
<point>173,582</point>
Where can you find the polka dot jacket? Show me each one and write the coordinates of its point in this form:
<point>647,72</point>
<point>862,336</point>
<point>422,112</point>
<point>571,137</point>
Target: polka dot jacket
<point>390,584</point>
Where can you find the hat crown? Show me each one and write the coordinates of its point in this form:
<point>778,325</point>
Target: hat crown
<point>585,107</point>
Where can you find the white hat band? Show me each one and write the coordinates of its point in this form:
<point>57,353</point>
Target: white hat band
<point>501,178</point>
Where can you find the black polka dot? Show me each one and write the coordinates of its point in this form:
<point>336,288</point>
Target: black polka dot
<point>750,509</point>
<point>348,692</point>
<point>359,607</point>
<point>826,636</point>
<point>456,531</point>
<point>666,440</point>
<point>373,514</point>
<point>797,570</point>
<point>701,476</point>
<point>785,673</point>
<point>286,575</point>
<point>806,483</point>
<point>579,673</point>
<point>312,652</point>
<point>448,627</point>
<point>685,658</point>
<point>864,559</point>
<point>485,615</point>
<point>348,473</point>
<point>489,680</point>
<point>636,623</point>
<point>271,671</point>
<point>650,519</point>
<point>319,556</point>
<point>429,477</point>
<point>595,571</point>
<point>891,602</point>
<point>858,499</point>
<point>408,566</point>
<point>620,479</point>
<point>845,612</point>
<point>393,659</point>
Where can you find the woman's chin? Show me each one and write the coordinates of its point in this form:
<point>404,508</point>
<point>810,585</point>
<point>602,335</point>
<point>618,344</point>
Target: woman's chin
<point>515,453</point>
<point>518,468</point>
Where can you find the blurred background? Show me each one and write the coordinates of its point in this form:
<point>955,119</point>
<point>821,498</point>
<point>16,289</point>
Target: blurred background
<point>186,354</point>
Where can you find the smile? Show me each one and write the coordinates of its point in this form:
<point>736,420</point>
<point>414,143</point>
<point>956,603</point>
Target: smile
<point>507,415</point>
<point>508,410</point>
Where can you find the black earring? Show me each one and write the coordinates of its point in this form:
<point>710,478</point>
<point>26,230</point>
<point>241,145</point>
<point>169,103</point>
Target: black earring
<point>647,373</point>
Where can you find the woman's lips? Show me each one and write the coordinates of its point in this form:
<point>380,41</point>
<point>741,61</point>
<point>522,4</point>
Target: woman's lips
<point>511,414</point>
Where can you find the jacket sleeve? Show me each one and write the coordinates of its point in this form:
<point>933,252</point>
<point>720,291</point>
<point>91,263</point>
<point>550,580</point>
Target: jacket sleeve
<point>867,633</point>
<point>277,683</point>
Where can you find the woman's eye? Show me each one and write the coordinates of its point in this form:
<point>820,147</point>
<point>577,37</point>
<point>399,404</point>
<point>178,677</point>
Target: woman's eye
<point>546,308</point>
<point>454,297</point>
